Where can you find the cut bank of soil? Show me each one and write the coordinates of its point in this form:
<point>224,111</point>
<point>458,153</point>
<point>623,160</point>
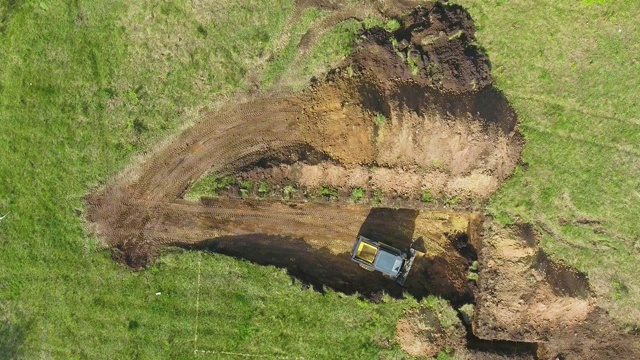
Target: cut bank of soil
<point>418,101</point>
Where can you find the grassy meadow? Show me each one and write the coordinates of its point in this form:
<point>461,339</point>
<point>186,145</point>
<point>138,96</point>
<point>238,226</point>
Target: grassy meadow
<point>85,86</point>
<point>570,69</point>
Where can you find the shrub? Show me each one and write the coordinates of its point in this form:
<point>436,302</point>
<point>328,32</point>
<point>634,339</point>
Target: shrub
<point>357,194</point>
<point>426,196</point>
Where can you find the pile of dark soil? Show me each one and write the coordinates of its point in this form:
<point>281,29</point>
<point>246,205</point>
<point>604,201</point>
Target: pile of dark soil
<point>436,47</point>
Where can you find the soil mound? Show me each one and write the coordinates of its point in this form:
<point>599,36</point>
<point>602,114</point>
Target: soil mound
<point>419,103</point>
<point>436,46</point>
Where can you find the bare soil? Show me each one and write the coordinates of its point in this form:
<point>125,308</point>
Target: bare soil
<point>419,106</point>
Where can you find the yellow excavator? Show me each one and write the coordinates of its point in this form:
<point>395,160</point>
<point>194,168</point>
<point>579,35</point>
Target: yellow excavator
<point>375,256</point>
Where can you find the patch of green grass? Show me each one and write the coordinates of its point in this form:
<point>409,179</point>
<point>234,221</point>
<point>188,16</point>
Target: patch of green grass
<point>579,111</point>
<point>328,192</point>
<point>263,188</point>
<point>411,63</point>
<point>453,200</point>
<point>392,25</point>
<point>357,194</point>
<point>270,324</point>
<point>246,188</point>
<point>295,68</point>
<point>209,186</point>
<point>389,25</point>
<point>447,316</point>
<point>378,197</point>
<point>619,290</point>
<point>288,191</point>
<point>372,22</point>
<point>426,196</point>
<point>284,59</point>
<point>331,48</point>
<point>380,119</point>
<point>446,354</point>
<point>84,86</point>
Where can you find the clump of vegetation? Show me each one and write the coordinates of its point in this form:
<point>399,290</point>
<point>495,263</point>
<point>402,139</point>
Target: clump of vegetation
<point>380,119</point>
<point>357,194</point>
<point>447,316</point>
<point>619,290</point>
<point>246,188</point>
<point>350,71</point>
<point>453,200</point>
<point>392,25</point>
<point>288,191</point>
<point>263,188</point>
<point>472,272</point>
<point>328,192</point>
<point>411,62</point>
<point>209,185</point>
<point>377,197</point>
<point>466,311</point>
<point>446,354</point>
<point>426,196</point>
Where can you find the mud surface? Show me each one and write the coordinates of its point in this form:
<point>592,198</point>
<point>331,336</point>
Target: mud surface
<point>525,297</point>
<point>418,105</point>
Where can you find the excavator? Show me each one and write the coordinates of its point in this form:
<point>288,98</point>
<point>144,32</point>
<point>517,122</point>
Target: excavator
<point>375,256</point>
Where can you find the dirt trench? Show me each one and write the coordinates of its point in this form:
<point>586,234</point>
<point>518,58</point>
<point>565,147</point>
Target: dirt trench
<point>408,111</point>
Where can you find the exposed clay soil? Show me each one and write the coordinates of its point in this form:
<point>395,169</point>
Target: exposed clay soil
<point>523,296</point>
<point>419,106</point>
<point>421,334</point>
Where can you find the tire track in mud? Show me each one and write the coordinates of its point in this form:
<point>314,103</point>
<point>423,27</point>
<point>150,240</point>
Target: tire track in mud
<point>221,139</point>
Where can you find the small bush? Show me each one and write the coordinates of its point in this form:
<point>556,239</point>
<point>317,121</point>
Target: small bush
<point>263,188</point>
<point>426,196</point>
<point>246,187</point>
<point>377,197</point>
<point>357,194</point>
<point>392,25</point>
<point>466,311</point>
<point>328,192</point>
<point>288,191</point>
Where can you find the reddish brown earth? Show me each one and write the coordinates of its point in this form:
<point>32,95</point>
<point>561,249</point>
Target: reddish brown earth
<point>445,129</point>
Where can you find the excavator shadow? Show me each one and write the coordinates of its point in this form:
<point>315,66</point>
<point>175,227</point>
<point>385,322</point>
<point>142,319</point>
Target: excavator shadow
<point>323,267</point>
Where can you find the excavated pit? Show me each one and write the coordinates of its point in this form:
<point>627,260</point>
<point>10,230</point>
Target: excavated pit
<point>439,270</point>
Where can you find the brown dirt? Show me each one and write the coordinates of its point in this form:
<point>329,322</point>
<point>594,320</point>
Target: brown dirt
<point>446,129</point>
<point>420,334</point>
<point>526,297</point>
<point>519,285</point>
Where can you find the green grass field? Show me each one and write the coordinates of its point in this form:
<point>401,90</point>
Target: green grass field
<point>84,86</point>
<point>570,69</point>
